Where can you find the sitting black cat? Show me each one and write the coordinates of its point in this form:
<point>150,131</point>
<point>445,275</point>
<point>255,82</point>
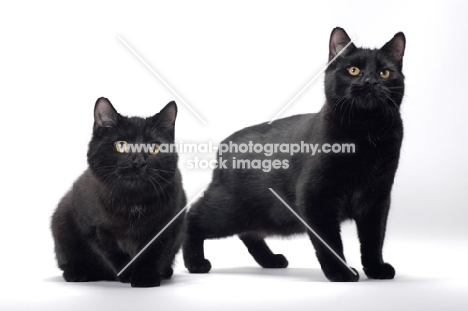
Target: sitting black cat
<point>364,89</point>
<point>122,201</point>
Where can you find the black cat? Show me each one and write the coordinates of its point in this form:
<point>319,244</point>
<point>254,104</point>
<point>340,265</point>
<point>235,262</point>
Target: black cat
<point>122,201</point>
<point>364,89</point>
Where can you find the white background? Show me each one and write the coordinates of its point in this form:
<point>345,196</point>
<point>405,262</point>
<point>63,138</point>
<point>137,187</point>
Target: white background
<point>237,64</point>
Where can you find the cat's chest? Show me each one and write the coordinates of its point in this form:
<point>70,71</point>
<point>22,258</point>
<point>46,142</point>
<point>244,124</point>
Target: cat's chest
<point>132,225</point>
<point>354,174</point>
<point>128,246</point>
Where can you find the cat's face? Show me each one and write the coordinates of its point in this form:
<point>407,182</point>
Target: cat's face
<point>123,153</point>
<point>366,79</point>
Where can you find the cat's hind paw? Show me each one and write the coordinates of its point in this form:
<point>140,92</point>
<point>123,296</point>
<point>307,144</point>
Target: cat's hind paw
<point>276,261</point>
<point>380,272</point>
<point>74,274</point>
<point>203,266</point>
<point>80,277</point>
<point>167,273</point>
<point>73,277</point>
<point>342,275</point>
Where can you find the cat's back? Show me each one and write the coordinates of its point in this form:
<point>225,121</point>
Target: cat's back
<point>285,130</point>
<point>245,169</point>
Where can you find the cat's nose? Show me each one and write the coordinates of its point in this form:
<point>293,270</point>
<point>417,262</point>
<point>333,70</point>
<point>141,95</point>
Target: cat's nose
<point>139,162</point>
<point>371,81</point>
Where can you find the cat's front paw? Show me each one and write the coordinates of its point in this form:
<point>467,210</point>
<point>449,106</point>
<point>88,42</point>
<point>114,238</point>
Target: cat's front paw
<point>203,266</point>
<point>276,261</point>
<point>380,272</point>
<point>342,275</point>
<point>145,279</point>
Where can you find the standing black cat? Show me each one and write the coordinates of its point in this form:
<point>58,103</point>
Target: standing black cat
<point>364,89</point>
<point>122,201</point>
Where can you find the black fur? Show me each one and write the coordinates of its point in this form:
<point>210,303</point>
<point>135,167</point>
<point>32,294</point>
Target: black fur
<point>121,202</point>
<point>324,189</point>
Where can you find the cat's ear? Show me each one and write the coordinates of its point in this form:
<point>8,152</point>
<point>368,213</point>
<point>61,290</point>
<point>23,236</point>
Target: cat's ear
<point>396,46</point>
<point>105,114</point>
<point>167,116</point>
<point>338,40</point>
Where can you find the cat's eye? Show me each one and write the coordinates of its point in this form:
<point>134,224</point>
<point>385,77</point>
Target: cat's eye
<point>155,149</point>
<point>354,71</point>
<point>384,74</point>
<point>121,146</point>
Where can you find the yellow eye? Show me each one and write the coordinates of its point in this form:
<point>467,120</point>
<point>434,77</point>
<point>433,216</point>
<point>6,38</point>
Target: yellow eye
<point>155,149</point>
<point>354,71</point>
<point>121,146</point>
<point>384,74</point>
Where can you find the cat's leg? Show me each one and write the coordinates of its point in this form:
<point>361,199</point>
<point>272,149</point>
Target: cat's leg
<point>146,269</point>
<point>261,252</point>
<point>193,249</point>
<point>155,263</point>
<point>167,270</point>
<point>107,247</point>
<point>74,255</point>
<point>322,218</point>
<point>371,227</point>
<point>212,216</point>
